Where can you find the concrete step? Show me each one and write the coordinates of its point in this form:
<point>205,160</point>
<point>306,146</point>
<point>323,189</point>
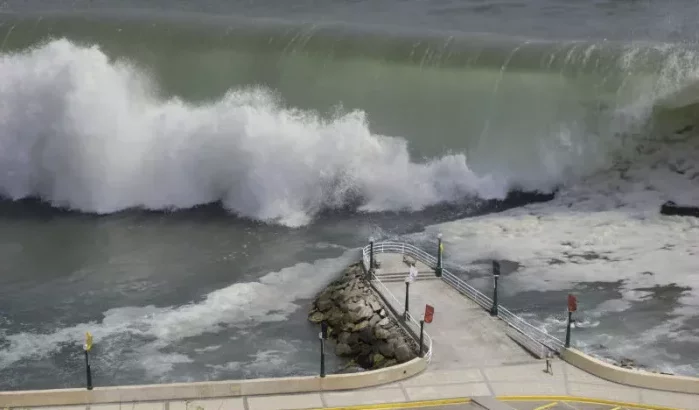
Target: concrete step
<point>401,278</point>
<point>404,274</point>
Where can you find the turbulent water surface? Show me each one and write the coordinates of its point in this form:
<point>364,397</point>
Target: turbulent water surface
<point>180,179</point>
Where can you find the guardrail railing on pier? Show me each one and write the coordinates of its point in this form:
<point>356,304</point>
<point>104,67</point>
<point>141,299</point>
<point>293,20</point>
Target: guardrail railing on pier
<point>533,336</point>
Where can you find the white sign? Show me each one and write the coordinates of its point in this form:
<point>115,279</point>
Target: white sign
<point>412,275</point>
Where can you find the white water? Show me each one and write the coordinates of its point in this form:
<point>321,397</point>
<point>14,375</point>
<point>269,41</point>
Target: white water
<point>83,132</point>
<point>605,228</point>
<point>271,299</point>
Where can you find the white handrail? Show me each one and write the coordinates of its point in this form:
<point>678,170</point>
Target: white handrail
<point>397,306</point>
<point>530,331</point>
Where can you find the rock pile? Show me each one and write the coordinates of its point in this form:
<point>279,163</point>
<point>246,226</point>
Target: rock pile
<point>358,323</point>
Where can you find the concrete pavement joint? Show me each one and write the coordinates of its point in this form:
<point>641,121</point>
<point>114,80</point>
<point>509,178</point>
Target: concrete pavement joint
<point>565,377</point>
<point>246,406</point>
<point>405,392</point>
<point>487,381</point>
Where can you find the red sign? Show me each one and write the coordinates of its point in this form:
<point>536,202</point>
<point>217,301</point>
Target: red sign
<point>429,313</point>
<point>572,303</point>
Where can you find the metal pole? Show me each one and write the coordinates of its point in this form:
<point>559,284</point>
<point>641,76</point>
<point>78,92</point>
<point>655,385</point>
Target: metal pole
<point>422,334</point>
<point>496,276</point>
<point>323,335</point>
<point>407,299</point>
<point>570,318</point>
<point>371,257</point>
<point>88,371</point>
<point>322,358</point>
<point>438,269</point>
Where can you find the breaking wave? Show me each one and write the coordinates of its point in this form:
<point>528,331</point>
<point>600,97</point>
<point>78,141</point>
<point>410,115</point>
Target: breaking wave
<point>83,129</point>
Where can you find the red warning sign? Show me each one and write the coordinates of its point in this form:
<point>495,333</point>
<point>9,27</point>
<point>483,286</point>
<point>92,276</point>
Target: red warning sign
<point>429,313</point>
<point>572,303</point>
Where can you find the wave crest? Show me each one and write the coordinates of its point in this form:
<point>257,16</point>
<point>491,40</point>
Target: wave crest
<point>83,132</point>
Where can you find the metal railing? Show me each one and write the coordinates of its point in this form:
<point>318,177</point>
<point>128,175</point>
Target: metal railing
<point>414,325</point>
<point>529,331</point>
<point>396,305</point>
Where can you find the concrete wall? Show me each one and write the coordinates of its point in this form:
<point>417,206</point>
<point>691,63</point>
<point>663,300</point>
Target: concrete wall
<point>637,378</point>
<point>201,390</point>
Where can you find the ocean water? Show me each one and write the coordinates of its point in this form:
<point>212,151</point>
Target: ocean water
<point>181,178</point>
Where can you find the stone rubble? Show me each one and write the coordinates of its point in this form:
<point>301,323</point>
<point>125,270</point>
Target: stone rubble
<point>358,323</point>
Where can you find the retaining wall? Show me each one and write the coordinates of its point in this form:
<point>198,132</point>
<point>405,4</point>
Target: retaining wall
<point>637,378</point>
<point>206,390</point>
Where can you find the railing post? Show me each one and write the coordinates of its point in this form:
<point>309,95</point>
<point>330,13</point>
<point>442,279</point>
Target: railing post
<point>422,335</point>
<point>371,258</point>
<point>572,307</point>
<point>440,249</point>
<point>570,318</point>
<point>88,370</point>
<point>496,276</point>
<point>322,336</point>
<point>407,299</point>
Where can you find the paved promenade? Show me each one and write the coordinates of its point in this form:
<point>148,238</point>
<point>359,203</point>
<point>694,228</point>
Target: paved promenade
<point>473,358</point>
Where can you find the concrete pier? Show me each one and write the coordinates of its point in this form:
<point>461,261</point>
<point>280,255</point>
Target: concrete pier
<point>464,335</point>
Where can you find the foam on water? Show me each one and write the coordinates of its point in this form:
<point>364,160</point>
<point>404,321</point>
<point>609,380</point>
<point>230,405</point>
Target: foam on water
<point>83,132</point>
<point>270,299</point>
<point>605,228</point>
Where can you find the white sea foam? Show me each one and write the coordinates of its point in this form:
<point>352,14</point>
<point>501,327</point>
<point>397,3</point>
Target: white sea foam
<point>605,228</point>
<point>81,131</point>
<point>269,299</point>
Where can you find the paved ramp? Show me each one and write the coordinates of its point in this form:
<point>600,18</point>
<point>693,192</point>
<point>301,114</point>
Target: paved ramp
<point>464,335</point>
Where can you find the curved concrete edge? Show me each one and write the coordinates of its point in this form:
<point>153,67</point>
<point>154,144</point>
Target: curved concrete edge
<point>636,378</point>
<point>206,390</point>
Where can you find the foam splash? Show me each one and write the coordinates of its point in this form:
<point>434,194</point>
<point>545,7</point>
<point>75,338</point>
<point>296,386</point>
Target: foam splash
<point>83,132</point>
<point>268,300</point>
<point>606,228</point>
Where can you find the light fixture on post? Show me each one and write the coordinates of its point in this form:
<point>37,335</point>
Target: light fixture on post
<point>440,249</point>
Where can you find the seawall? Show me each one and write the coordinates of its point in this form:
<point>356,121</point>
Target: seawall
<point>373,332</point>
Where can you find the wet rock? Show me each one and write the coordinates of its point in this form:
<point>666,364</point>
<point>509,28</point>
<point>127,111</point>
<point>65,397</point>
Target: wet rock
<point>344,337</point>
<point>324,305</point>
<point>361,327</point>
<point>386,349</point>
<point>343,349</point>
<point>356,316</point>
<point>627,363</point>
<point>317,317</point>
<point>378,359</point>
<point>381,333</point>
<point>403,353</point>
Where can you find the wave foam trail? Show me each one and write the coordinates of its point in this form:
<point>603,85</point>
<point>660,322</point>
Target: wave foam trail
<point>82,132</point>
<point>270,299</point>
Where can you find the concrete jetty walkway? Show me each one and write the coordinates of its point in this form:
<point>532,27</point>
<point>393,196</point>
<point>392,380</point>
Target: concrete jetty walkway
<point>464,336</point>
<point>473,359</point>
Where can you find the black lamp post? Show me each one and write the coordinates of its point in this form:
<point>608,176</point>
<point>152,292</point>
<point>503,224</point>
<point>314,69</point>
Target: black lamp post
<point>496,276</point>
<point>440,248</point>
